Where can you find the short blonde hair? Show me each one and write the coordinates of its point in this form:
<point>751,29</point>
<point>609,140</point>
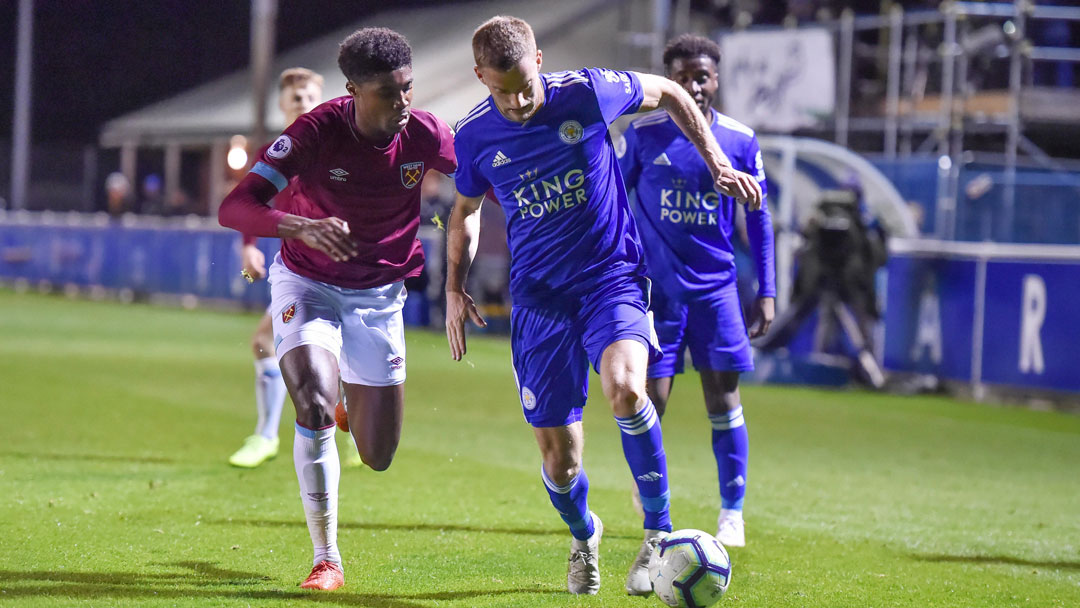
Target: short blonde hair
<point>501,42</point>
<point>298,77</point>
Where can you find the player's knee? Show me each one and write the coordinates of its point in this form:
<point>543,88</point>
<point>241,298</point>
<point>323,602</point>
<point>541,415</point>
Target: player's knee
<point>562,471</point>
<point>378,463</point>
<point>625,398</point>
<point>378,459</point>
<point>261,349</point>
<point>262,344</point>
<point>314,403</point>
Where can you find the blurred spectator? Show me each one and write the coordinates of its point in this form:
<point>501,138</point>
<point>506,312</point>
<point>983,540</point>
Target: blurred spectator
<point>178,203</point>
<point>436,200</point>
<point>490,274</point>
<point>118,195</point>
<point>152,200</point>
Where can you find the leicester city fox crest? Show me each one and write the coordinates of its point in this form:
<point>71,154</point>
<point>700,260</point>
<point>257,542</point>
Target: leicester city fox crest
<point>571,132</point>
<point>411,174</point>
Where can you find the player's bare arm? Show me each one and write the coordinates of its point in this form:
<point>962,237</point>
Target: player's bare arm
<point>461,242</point>
<point>660,92</point>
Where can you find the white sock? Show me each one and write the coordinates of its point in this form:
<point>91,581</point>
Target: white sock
<point>269,396</point>
<point>318,470</point>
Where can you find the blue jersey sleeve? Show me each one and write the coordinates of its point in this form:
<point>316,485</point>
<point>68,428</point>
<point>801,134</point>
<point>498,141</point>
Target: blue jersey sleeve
<point>467,179</point>
<point>617,92</point>
<point>626,150</point>
<point>759,223</point>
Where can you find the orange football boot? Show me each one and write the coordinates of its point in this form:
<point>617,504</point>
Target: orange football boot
<point>325,576</point>
<point>341,417</point>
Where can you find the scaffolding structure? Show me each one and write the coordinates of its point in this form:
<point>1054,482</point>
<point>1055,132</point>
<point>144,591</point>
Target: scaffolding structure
<point>919,68</point>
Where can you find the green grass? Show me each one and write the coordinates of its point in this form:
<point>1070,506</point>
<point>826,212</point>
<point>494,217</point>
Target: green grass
<point>117,422</point>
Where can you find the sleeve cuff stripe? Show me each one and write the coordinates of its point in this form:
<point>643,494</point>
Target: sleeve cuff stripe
<point>271,174</point>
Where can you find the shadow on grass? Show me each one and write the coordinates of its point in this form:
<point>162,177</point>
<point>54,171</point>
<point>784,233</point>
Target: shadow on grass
<point>428,527</point>
<point>999,560</point>
<point>89,457</point>
<point>198,585</point>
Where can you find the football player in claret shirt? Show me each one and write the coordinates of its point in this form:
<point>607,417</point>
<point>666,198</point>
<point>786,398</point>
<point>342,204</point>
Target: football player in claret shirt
<point>299,90</point>
<point>348,243</point>
<point>688,229</point>
<point>577,275</point>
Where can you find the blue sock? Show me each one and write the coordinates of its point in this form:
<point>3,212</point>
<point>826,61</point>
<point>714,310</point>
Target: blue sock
<point>270,394</point>
<point>572,503</point>
<point>731,445</point>
<point>643,446</point>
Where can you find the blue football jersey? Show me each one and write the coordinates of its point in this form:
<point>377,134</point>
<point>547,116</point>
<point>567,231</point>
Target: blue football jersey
<point>686,225</point>
<point>568,221</point>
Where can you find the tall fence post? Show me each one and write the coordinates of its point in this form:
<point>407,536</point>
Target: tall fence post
<point>892,88</point>
<point>1012,137</point>
<point>20,129</point>
<point>911,59</point>
<point>948,83</point>
<point>843,104</point>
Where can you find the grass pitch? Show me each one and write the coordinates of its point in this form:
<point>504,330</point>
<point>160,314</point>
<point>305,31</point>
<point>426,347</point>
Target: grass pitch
<point>114,487</point>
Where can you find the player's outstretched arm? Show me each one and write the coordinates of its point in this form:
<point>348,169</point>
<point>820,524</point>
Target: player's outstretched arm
<point>659,92</point>
<point>462,238</point>
<point>247,209</point>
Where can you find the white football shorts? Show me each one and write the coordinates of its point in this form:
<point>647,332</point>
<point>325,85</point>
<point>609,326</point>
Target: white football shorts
<point>363,328</point>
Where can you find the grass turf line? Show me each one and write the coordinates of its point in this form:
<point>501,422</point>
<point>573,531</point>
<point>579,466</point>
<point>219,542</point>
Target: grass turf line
<point>114,488</point>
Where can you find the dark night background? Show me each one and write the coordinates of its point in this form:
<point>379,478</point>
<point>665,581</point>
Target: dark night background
<point>95,60</point>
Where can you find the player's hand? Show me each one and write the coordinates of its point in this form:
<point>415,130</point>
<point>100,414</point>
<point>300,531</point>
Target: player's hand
<point>459,307</point>
<point>330,236</point>
<point>762,317</point>
<point>740,185</point>
<point>253,262</point>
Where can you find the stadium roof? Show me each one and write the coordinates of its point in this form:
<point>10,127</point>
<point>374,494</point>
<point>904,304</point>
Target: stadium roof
<point>572,34</point>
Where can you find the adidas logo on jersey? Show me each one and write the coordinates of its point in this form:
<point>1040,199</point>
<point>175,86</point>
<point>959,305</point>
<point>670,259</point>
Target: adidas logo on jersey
<point>500,159</point>
<point>662,160</point>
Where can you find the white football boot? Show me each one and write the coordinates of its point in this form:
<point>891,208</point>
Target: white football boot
<point>637,581</point>
<point>730,530</point>
<point>583,571</point>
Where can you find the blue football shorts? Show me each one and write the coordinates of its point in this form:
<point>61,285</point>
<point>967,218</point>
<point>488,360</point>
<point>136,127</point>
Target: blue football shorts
<point>553,346</point>
<point>711,326</point>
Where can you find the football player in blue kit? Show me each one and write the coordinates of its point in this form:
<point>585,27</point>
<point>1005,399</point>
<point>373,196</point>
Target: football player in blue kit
<point>688,230</point>
<point>577,275</point>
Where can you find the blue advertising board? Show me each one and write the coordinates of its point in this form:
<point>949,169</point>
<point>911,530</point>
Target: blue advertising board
<point>928,299</point>
<point>147,257</point>
<point>985,313</point>
<point>180,256</point>
<point>1032,335</point>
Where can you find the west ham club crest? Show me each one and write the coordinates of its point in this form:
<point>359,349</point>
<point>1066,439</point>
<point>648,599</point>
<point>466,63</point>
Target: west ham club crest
<point>411,174</point>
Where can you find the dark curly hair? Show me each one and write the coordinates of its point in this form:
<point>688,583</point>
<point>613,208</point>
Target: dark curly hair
<point>689,46</point>
<point>371,51</point>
